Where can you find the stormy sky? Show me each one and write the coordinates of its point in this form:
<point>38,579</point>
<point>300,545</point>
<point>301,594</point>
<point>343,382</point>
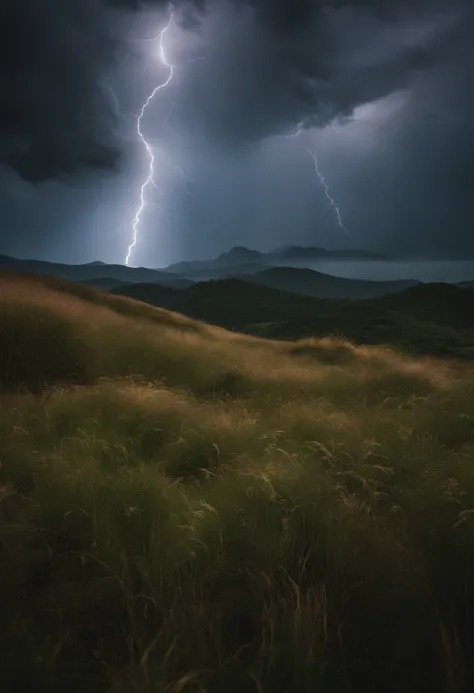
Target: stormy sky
<point>382,91</point>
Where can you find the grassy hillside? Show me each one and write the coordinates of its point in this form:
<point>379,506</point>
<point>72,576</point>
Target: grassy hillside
<point>185,509</point>
<point>263,311</point>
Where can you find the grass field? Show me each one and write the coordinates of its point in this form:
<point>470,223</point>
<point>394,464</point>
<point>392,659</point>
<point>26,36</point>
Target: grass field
<point>184,509</point>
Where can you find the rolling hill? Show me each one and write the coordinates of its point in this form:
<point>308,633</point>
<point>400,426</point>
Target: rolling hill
<point>104,283</point>
<point>311,283</point>
<point>185,509</point>
<point>205,271</point>
<point>466,285</point>
<point>87,272</point>
<point>238,262</point>
<point>444,304</point>
<point>260,310</point>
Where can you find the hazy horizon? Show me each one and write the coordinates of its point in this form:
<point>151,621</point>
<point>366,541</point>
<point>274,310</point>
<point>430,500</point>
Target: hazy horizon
<point>390,269</point>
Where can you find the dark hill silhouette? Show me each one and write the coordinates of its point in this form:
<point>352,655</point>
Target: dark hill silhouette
<point>104,283</point>
<point>466,285</point>
<point>239,255</point>
<point>206,271</point>
<point>298,280</point>
<point>155,294</point>
<point>86,272</point>
<point>311,283</point>
<point>445,304</point>
<point>260,310</point>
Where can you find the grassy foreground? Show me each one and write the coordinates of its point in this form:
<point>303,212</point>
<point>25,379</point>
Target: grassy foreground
<point>183,509</point>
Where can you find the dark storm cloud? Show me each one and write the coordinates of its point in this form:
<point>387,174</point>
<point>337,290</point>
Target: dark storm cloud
<point>304,60</point>
<point>312,61</point>
<point>55,117</point>
<point>53,114</point>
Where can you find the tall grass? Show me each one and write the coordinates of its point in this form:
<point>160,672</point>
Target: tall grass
<point>185,509</point>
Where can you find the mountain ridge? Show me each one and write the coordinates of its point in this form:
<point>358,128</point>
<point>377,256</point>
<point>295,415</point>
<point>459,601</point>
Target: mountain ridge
<point>301,280</point>
<point>242,254</point>
<point>84,272</point>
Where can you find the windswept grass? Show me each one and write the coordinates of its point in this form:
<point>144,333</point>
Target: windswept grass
<point>186,509</point>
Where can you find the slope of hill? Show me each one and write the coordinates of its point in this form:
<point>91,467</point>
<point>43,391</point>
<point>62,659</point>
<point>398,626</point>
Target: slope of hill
<point>259,310</point>
<point>104,283</point>
<point>154,294</point>
<point>206,271</point>
<point>466,285</point>
<point>108,283</point>
<point>95,270</point>
<point>444,304</point>
<point>311,283</point>
<point>178,283</point>
<point>302,281</point>
<point>186,509</point>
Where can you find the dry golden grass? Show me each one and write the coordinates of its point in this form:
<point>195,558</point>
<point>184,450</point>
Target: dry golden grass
<point>188,509</point>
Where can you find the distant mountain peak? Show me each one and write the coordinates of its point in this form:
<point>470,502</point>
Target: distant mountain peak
<point>240,253</point>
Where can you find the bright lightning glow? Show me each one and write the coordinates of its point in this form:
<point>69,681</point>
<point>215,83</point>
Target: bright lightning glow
<point>150,178</point>
<point>326,189</point>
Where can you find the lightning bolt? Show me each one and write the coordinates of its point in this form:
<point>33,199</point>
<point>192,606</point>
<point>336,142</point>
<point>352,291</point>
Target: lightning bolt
<point>326,188</point>
<point>322,180</point>
<point>292,135</point>
<point>150,178</point>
